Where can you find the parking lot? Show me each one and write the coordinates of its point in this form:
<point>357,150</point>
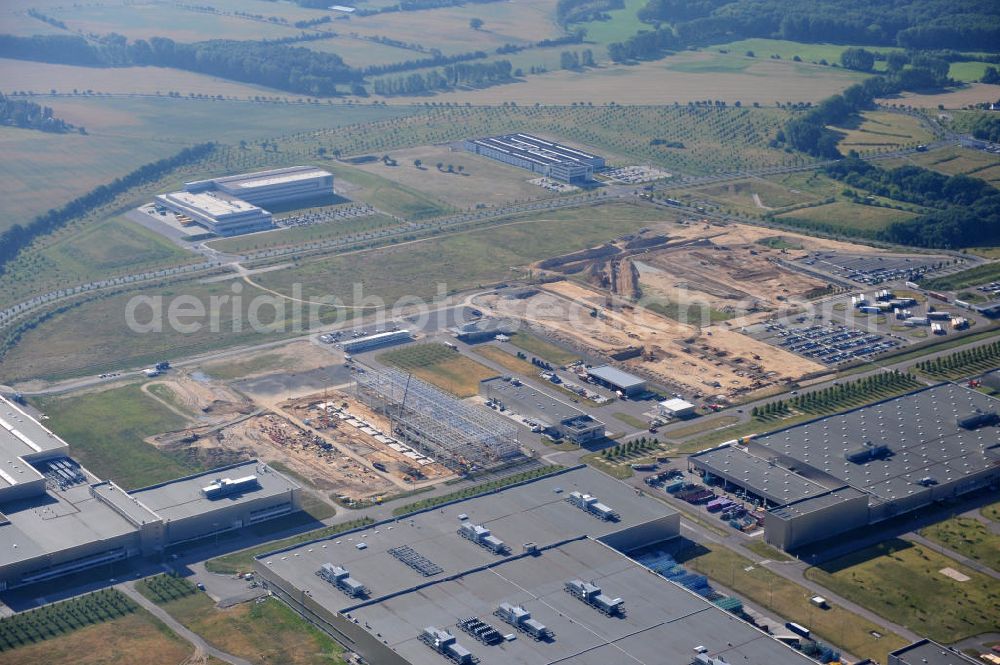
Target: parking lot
<point>636,175</point>
<point>830,344</point>
<point>322,216</point>
<point>877,269</point>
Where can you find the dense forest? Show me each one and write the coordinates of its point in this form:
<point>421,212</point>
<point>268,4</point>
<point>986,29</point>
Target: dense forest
<point>930,24</point>
<point>16,238</point>
<point>29,115</point>
<point>987,128</point>
<point>967,210</point>
<point>279,66</point>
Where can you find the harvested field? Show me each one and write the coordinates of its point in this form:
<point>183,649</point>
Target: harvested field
<point>973,93</point>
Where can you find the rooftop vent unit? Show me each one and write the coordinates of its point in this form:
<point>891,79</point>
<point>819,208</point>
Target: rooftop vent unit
<point>705,659</point>
<point>521,619</point>
<point>593,506</point>
<point>481,536</point>
<point>226,486</point>
<point>977,419</point>
<point>591,594</point>
<point>444,643</point>
<point>341,578</point>
<point>867,452</point>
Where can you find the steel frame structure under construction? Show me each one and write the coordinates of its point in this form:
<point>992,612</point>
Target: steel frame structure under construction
<point>462,436</point>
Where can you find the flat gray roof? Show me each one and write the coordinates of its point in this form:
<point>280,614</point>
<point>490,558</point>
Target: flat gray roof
<point>926,652</point>
<point>664,622</point>
<point>526,401</point>
<point>56,521</point>
<point>920,429</point>
<point>532,512</point>
<point>182,498</point>
<point>768,480</point>
<point>812,504</point>
<point>616,377</point>
<point>21,436</point>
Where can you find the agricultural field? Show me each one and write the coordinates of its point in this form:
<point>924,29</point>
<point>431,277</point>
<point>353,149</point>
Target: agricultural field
<point>956,98</point>
<point>144,20</point>
<point>836,625</point>
<point>448,29</point>
<point>846,215</point>
<point>969,537</point>
<point>106,432</point>
<point>787,50</point>
<point>441,366</point>
<point>954,161</point>
<point>127,639</point>
<point>750,197</point>
<point>46,170</point>
<point>361,53</point>
<point>904,583</point>
<point>464,180</point>
<point>395,198</point>
<point>267,632</point>
<point>677,79</point>
<point>623,24</point>
<point>882,131</point>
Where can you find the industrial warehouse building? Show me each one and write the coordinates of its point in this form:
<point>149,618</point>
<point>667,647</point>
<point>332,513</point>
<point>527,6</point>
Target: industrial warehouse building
<point>231,205</point>
<point>483,330</point>
<point>546,158</point>
<point>617,380</point>
<point>838,473</point>
<point>926,652</point>
<point>56,518</point>
<point>556,418</point>
<point>376,341</point>
<point>420,573</point>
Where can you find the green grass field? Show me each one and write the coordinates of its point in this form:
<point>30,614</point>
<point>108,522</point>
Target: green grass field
<point>836,625</point>
<point>300,235</point>
<point>879,131</point>
<point>902,582</point>
<point>547,351</point>
<point>269,632</point>
<point>106,430</point>
<point>968,537</point>
<point>981,274</point>
<point>992,512</point>
<point>443,367</point>
<point>787,50</point>
<point>845,215</point>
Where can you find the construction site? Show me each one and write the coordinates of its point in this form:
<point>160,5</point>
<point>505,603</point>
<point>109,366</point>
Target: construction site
<point>698,287</point>
<point>463,437</point>
<point>331,440</point>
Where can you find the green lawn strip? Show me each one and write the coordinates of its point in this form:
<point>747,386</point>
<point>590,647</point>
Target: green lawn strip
<point>475,490</point>
<point>242,561</point>
<point>441,366</point>
<point>631,420</point>
<point>902,582</point>
<point>106,431</point>
<point>969,537</point>
<point>991,512</point>
<point>836,625</point>
<point>758,546</point>
<point>545,350</point>
<point>702,425</point>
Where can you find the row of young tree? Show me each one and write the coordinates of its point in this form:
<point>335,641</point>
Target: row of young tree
<point>16,238</point>
<point>967,361</point>
<point>835,397</point>
<point>470,74</point>
<point>274,65</point>
<point>968,209</point>
<point>931,24</point>
<point>29,115</point>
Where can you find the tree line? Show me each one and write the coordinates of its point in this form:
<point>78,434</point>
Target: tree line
<point>930,24</point>
<point>967,209</point>
<point>436,60</point>
<point>574,11</point>
<point>16,238</point>
<point>29,115</point>
<point>274,65</point>
<point>472,74</point>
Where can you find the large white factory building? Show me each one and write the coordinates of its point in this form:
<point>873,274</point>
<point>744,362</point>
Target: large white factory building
<point>231,205</point>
